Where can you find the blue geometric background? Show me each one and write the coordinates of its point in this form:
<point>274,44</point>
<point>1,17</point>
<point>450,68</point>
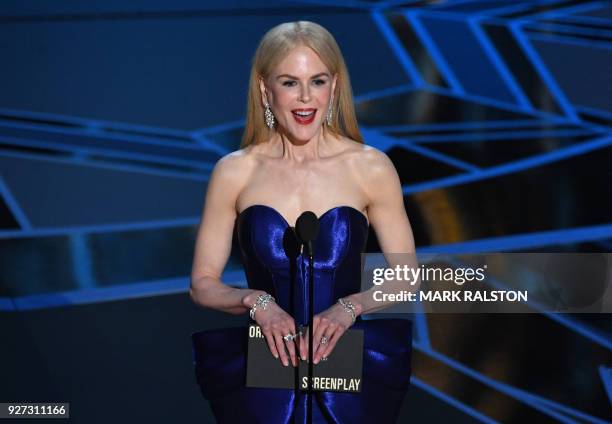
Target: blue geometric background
<point>496,114</point>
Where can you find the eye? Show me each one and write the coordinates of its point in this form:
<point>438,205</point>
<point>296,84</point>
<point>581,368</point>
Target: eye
<point>289,83</point>
<point>319,82</point>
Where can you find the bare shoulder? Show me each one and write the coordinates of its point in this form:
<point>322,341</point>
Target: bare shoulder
<point>231,173</point>
<point>234,166</point>
<point>371,163</point>
<point>376,160</point>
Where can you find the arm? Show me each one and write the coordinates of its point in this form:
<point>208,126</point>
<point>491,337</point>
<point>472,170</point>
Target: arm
<point>214,241</point>
<point>213,247</point>
<point>388,218</point>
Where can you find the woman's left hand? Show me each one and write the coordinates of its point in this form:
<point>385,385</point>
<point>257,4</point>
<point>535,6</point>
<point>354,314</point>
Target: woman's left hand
<point>331,324</point>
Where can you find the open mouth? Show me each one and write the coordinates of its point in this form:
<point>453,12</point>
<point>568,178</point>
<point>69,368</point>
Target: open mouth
<point>304,116</point>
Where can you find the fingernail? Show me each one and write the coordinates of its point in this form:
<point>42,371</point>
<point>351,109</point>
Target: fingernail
<point>286,363</point>
<point>316,361</point>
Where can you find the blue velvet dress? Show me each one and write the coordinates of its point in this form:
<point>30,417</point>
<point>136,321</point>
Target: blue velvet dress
<point>273,262</point>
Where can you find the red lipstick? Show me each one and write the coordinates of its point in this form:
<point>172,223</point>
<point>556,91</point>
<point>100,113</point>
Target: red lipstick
<point>304,116</point>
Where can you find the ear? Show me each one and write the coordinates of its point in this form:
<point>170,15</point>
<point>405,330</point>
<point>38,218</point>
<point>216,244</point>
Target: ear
<point>262,89</point>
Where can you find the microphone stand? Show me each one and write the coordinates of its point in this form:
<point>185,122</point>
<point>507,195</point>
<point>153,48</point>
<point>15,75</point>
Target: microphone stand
<point>307,227</point>
<point>310,333</point>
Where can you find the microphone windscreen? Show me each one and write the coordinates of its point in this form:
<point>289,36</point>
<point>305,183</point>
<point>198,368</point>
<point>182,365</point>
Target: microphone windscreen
<point>307,227</point>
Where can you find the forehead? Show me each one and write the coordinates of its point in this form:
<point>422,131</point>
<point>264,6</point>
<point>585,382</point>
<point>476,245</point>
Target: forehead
<point>301,61</point>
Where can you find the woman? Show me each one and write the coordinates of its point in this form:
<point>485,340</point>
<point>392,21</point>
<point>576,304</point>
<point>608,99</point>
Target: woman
<point>302,150</point>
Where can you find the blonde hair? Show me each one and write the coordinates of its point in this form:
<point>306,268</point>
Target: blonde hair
<point>273,48</point>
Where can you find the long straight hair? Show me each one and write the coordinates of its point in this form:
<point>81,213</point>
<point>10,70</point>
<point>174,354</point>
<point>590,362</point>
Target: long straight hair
<point>273,48</point>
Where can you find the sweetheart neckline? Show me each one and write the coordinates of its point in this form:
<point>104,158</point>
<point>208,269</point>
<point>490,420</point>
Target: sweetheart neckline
<point>320,217</point>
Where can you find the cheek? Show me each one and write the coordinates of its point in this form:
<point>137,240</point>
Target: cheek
<point>284,99</point>
<point>323,95</point>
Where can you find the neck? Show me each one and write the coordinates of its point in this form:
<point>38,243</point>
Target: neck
<point>302,151</point>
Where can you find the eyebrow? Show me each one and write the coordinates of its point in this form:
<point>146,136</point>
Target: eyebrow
<point>320,74</point>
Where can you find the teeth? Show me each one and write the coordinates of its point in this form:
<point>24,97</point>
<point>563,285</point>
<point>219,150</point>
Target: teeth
<point>303,113</point>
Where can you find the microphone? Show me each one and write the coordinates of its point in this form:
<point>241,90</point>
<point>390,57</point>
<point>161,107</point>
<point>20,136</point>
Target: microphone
<point>307,229</point>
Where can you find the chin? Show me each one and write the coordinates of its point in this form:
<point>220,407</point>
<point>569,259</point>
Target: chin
<point>304,134</point>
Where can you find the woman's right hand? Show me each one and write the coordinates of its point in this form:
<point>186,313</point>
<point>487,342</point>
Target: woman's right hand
<point>275,323</point>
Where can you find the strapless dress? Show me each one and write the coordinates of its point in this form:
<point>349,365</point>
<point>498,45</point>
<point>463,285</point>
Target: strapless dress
<point>273,262</point>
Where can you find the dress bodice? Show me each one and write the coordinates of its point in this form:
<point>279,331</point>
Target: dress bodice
<point>274,263</point>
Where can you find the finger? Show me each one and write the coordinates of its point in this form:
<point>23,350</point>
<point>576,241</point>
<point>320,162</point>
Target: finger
<point>303,344</point>
<point>280,346</point>
<point>291,348</point>
<point>271,343</point>
<point>291,344</point>
<point>318,332</point>
<point>329,332</point>
<point>331,344</point>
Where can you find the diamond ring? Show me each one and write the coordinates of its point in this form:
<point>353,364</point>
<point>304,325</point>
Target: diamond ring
<point>323,340</point>
<point>289,337</point>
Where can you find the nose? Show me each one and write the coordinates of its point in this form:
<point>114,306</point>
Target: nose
<point>305,94</point>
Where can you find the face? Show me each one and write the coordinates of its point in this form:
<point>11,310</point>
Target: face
<point>299,92</point>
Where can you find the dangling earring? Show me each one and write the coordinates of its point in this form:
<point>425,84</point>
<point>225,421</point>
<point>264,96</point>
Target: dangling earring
<point>269,116</point>
<point>328,117</point>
